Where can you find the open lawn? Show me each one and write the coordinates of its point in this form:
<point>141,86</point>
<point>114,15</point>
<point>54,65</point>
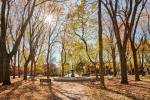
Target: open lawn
<point>32,90</point>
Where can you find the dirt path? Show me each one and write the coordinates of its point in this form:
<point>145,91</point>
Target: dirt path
<point>69,91</point>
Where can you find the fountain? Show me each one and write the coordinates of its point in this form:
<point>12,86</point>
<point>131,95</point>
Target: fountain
<point>72,78</point>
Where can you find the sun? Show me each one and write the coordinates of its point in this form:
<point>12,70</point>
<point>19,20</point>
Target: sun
<point>48,19</point>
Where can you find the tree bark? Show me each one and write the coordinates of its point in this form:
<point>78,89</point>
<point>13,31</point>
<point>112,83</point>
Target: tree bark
<point>18,62</point>
<point>134,51</point>
<point>26,69</point>
<point>1,69</point>
<point>6,74</point>
<point>124,79</point>
<point>100,45</point>
<point>31,71</point>
<point>1,64</point>
<point>137,78</point>
<point>14,66</point>
<point>5,56</point>
<point>63,59</point>
<point>114,61</point>
<point>34,67</point>
<point>142,62</point>
<point>48,71</point>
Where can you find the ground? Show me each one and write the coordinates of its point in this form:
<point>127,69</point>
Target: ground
<point>32,90</point>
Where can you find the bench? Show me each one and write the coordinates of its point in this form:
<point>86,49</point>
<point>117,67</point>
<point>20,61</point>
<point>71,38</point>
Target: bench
<point>45,80</point>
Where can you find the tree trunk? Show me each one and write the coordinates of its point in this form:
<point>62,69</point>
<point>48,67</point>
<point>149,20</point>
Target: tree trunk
<point>18,63</point>
<point>142,63</point>
<point>63,74</point>
<point>19,70</point>
<point>132,70</point>
<point>48,60</point>
<point>48,71</point>
<point>6,74</point>
<point>124,79</point>
<point>34,67</point>
<point>25,69</point>
<point>114,62</point>
<point>31,67</point>
<point>137,78</point>
<point>14,66</point>
<point>1,71</point>
<point>96,73</point>
<point>100,45</point>
<point>1,65</point>
<point>63,59</point>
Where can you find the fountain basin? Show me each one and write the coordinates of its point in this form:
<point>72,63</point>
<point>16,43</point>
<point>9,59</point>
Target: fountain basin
<point>72,79</point>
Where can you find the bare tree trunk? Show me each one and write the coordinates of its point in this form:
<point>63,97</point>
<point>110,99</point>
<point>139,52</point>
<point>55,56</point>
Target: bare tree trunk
<point>132,70</point>
<point>6,75</point>
<point>14,66</point>
<point>48,71</point>
<point>137,78</point>
<point>5,59</point>
<point>142,63</point>
<point>34,67</point>
<point>18,62</point>
<point>63,59</point>
<point>96,73</point>
<point>100,45</point>
<point>114,61</point>
<point>63,72</point>
<point>26,69</point>
<point>1,65</point>
<point>31,67</point>
<point>124,78</point>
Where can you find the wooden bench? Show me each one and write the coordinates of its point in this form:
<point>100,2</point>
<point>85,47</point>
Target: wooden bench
<point>45,80</point>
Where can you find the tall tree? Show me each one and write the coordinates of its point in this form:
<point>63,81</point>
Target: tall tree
<point>7,56</point>
<point>80,19</point>
<point>100,44</point>
<point>127,11</point>
<point>133,44</point>
<point>111,49</point>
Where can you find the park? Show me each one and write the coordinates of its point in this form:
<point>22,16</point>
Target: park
<point>75,50</point>
<point>81,90</point>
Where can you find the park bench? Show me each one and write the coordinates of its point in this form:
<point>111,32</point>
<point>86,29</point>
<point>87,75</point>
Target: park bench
<point>46,81</point>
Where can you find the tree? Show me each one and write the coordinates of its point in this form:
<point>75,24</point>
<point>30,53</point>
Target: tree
<point>1,63</point>
<point>127,14</point>
<point>147,34</point>
<point>132,41</point>
<point>79,24</point>
<point>7,56</point>
<point>109,32</point>
<point>35,30</point>
<point>100,44</point>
